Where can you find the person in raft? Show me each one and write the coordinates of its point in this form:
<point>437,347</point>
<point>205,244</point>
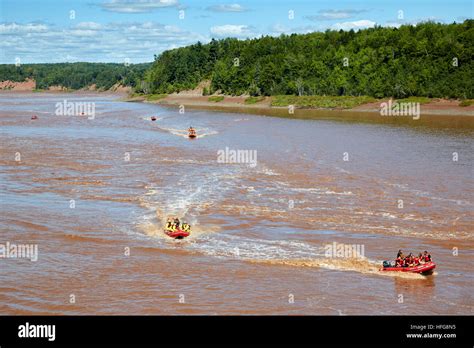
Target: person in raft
<point>186,227</point>
<point>426,257</point>
<point>177,223</point>
<point>417,260</point>
<point>410,260</point>
<point>399,260</point>
<point>170,226</point>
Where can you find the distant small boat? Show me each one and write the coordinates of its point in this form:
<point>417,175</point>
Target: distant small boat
<point>153,118</point>
<point>34,117</point>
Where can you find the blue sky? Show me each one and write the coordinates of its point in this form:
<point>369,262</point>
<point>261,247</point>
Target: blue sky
<point>50,31</point>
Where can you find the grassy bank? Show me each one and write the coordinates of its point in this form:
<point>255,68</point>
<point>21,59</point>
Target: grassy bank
<point>323,102</point>
<point>216,98</point>
<point>466,102</point>
<point>155,97</point>
<point>421,100</point>
<point>253,100</point>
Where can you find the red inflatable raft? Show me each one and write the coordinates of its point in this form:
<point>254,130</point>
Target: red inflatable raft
<point>425,269</point>
<point>178,234</point>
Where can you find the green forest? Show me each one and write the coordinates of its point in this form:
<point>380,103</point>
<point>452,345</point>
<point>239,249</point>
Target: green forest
<point>429,59</point>
<point>75,75</point>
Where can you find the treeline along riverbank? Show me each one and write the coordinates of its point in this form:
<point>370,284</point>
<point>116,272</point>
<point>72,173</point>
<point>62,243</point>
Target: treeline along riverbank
<point>426,60</point>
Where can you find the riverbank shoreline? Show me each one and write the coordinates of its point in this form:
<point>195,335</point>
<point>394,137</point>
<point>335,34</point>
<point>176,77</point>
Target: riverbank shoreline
<point>433,107</point>
<point>438,113</point>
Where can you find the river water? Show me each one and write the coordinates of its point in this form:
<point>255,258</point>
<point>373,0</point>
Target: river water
<point>93,195</point>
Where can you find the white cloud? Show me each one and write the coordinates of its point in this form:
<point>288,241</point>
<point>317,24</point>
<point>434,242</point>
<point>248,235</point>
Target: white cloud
<point>7,28</point>
<point>324,15</point>
<point>89,26</point>
<point>363,23</point>
<point>226,8</point>
<point>89,41</point>
<point>82,33</point>
<point>232,30</point>
<point>137,6</point>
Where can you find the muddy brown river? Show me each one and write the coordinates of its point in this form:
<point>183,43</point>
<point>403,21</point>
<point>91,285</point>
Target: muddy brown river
<point>93,195</point>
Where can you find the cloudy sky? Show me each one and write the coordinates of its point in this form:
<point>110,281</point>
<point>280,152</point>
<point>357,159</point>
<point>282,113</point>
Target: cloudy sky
<point>50,31</point>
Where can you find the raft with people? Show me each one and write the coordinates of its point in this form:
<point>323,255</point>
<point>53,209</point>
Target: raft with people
<point>192,133</point>
<point>177,230</point>
<point>422,264</point>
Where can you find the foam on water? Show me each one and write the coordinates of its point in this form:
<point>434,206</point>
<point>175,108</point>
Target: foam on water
<point>364,266</point>
<point>201,132</point>
<point>270,252</point>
